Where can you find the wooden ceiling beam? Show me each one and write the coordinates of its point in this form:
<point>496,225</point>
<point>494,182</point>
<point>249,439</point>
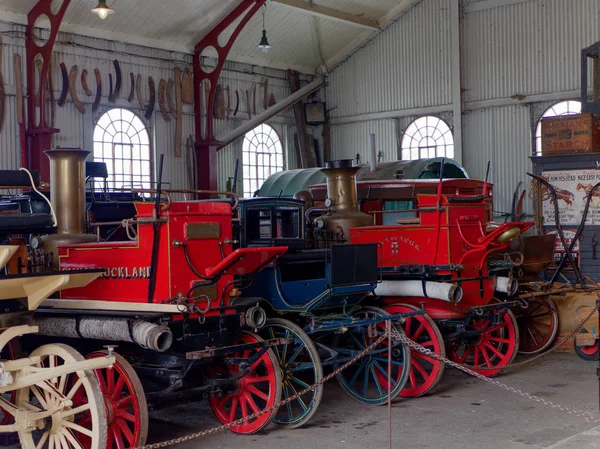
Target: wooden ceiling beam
<point>329,14</point>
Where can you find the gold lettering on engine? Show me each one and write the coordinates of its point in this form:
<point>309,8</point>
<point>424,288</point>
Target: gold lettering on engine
<point>127,273</point>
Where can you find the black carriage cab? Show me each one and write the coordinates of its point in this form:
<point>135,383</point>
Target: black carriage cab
<point>271,222</point>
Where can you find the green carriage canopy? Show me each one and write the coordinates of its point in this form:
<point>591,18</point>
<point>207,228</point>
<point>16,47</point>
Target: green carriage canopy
<point>286,183</point>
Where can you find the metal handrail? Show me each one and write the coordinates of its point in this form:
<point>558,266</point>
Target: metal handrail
<point>236,199</point>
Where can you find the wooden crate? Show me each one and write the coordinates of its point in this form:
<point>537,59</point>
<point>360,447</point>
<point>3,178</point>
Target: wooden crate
<point>570,134</point>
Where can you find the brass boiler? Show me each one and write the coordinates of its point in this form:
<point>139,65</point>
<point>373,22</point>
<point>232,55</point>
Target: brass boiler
<point>67,195</point>
<point>341,210</point>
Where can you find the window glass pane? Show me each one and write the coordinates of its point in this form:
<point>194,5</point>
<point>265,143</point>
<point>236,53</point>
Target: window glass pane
<point>122,142</point>
<point>262,156</point>
<point>562,108</point>
<point>427,137</point>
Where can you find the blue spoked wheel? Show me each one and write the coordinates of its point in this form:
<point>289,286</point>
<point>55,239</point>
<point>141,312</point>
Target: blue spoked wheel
<point>301,367</point>
<point>367,380</point>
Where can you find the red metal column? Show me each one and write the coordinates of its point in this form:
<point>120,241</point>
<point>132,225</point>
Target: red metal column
<point>39,132</point>
<point>206,144</point>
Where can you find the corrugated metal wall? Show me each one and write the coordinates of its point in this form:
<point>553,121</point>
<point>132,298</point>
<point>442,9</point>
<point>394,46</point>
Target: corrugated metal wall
<point>510,52</point>
<point>89,53</point>
<point>526,48</point>
<point>354,138</point>
<point>406,66</point>
<point>486,137</point>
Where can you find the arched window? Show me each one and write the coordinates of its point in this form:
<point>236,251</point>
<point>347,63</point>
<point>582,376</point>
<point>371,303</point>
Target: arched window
<point>562,108</point>
<point>427,137</point>
<point>263,156</point>
<point>121,140</point>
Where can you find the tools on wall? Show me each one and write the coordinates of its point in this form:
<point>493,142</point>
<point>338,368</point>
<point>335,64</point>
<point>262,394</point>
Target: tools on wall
<point>178,111</point>
<point>73,89</point>
<point>168,98</point>
<point>98,96</point>
<point>114,94</point>
<point>162,87</point>
<point>131,95</point>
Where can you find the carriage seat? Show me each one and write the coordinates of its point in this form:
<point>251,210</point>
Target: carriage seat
<point>26,224</point>
<point>312,255</point>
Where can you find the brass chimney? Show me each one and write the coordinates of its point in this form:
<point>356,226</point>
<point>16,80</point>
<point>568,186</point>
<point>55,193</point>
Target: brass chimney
<point>341,184</point>
<point>67,188</point>
<point>342,210</point>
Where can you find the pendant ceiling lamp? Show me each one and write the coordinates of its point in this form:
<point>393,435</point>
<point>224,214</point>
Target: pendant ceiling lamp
<point>264,42</point>
<point>102,9</point>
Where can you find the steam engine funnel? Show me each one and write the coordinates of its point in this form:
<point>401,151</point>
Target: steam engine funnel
<point>67,188</point>
<point>342,210</point>
<point>341,184</point>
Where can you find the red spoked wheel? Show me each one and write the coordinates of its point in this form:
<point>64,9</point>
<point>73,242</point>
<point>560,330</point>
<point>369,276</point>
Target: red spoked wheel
<point>538,325</point>
<point>425,371</point>
<point>590,352</point>
<point>125,401</point>
<point>258,390</point>
<point>489,351</point>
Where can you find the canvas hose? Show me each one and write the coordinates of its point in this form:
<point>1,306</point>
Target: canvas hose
<point>400,336</point>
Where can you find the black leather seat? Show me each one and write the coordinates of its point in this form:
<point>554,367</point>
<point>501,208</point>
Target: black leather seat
<point>26,224</point>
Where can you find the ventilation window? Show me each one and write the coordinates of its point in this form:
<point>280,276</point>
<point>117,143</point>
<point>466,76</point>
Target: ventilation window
<point>122,142</point>
<point>263,156</point>
<point>427,137</point>
<point>562,108</point>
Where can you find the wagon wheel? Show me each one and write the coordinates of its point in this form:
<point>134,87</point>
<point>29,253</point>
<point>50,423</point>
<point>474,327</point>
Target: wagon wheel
<point>425,371</point>
<point>538,325</point>
<point>301,367</point>
<point>492,349</point>
<point>256,391</point>
<point>8,353</point>
<point>63,429</point>
<point>126,408</point>
<point>591,352</point>
<point>367,380</point>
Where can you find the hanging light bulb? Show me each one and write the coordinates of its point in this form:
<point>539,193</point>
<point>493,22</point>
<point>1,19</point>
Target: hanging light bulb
<point>264,42</point>
<point>102,9</point>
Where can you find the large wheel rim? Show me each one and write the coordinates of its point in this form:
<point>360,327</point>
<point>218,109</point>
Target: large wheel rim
<point>538,325</point>
<point>367,380</point>
<point>301,367</point>
<point>258,390</point>
<point>589,352</point>
<point>8,353</point>
<point>125,401</point>
<point>493,350</point>
<point>425,371</point>
<point>63,430</point>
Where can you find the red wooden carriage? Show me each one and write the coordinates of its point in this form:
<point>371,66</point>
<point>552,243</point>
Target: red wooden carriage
<point>443,242</point>
<point>184,339</point>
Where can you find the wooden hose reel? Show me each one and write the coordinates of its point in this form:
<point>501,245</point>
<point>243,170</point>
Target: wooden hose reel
<point>50,398</point>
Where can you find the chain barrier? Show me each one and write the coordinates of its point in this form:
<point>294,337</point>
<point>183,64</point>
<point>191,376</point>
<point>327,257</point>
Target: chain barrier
<point>400,336</point>
<point>287,400</point>
<point>415,346</point>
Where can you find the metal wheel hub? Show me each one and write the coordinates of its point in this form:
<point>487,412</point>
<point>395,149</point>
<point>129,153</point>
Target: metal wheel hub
<point>110,414</point>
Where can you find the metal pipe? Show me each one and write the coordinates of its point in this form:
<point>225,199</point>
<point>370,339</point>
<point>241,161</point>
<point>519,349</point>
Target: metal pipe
<point>341,185</point>
<point>436,290</point>
<point>271,112</point>
<point>147,335</point>
<point>373,162</point>
<point>506,285</point>
<point>67,188</point>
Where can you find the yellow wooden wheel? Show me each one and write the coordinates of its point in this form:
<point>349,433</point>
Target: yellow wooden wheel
<point>76,415</point>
